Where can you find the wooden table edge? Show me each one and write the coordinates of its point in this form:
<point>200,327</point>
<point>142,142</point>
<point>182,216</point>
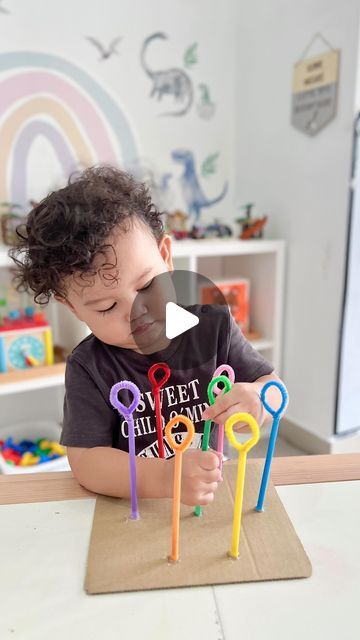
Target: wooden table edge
<point>54,486</point>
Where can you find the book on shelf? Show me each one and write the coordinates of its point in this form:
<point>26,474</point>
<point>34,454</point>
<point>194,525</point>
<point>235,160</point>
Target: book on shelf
<point>236,293</point>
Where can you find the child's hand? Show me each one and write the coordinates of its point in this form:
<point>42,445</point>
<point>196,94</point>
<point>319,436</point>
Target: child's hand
<point>200,476</point>
<point>243,397</point>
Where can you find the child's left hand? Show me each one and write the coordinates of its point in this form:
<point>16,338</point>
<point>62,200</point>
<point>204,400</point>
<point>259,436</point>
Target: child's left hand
<point>243,397</point>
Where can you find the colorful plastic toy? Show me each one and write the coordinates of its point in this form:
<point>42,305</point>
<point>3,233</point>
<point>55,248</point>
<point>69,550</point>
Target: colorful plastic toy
<point>276,416</point>
<point>243,449</point>
<point>179,449</point>
<point>251,227</point>
<point>155,387</point>
<point>29,452</point>
<point>127,412</point>
<point>25,340</point>
<point>207,427</point>
<point>231,374</point>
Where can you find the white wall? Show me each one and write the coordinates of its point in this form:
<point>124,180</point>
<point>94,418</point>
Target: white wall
<point>60,29</point>
<point>300,182</point>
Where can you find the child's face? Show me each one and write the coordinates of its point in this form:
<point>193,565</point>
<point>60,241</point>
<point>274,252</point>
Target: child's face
<point>107,305</point>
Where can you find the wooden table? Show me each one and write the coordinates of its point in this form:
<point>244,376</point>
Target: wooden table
<point>46,521</point>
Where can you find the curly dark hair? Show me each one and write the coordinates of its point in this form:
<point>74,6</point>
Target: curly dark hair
<point>64,232</point>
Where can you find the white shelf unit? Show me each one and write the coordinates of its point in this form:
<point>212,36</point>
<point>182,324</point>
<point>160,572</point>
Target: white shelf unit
<point>262,261</point>
<point>32,384</point>
<point>4,258</point>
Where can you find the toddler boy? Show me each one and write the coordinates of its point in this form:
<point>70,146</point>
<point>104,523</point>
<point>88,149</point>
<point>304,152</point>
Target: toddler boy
<point>98,247</point>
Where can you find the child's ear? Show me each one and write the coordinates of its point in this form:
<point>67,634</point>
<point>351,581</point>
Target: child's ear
<point>165,248</point>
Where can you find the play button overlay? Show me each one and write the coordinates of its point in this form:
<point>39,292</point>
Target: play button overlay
<point>178,320</point>
<point>175,318</point>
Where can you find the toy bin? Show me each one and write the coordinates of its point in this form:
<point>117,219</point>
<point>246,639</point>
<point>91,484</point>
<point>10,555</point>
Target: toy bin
<point>33,431</point>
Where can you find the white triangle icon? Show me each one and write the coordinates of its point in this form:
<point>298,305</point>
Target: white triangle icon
<point>178,320</point>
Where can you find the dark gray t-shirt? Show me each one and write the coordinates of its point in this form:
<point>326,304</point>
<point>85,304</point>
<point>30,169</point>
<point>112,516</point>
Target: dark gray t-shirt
<point>94,367</point>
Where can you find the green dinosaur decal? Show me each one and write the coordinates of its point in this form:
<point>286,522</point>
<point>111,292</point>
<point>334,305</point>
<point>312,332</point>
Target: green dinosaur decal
<point>194,196</point>
<point>209,166</point>
<point>190,56</point>
<point>205,94</point>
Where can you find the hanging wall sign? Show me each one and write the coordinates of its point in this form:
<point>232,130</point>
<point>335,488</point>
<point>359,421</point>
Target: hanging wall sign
<point>314,98</point>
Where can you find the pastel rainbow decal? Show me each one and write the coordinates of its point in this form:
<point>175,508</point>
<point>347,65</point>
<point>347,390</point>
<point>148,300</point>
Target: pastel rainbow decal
<point>45,95</point>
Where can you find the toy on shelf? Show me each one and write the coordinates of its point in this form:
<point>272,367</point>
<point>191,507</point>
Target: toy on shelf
<point>27,453</point>
<point>236,293</point>
<point>197,232</point>
<point>10,219</point>
<point>251,227</point>
<point>176,224</point>
<point>213,230</point>
<point>25,336</point>
<point>218,230</point>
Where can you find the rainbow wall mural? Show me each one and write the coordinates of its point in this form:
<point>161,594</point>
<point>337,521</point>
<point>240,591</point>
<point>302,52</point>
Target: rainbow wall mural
<point>45,95</point>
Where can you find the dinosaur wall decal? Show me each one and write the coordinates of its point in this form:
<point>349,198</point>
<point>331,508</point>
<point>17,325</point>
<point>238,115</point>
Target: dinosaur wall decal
<point>105,52</point>
<point>193,194</point>
<point>174,82</point>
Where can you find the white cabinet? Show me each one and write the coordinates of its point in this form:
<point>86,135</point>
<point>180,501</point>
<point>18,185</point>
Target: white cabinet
<point>262,261</point>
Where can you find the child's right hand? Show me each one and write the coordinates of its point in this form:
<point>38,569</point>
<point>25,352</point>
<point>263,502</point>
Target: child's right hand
<point>200,476</point>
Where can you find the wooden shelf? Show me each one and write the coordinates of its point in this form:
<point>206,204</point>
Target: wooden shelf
<point>31,379</point>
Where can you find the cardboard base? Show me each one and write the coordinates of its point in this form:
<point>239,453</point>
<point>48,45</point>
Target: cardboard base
<point>132,555</point>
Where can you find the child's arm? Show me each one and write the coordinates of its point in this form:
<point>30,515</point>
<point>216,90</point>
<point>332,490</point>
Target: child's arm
<point>106,470</point>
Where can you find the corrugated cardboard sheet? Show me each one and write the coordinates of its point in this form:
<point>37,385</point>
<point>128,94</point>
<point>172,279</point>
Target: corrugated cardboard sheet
<point>128,555</point>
